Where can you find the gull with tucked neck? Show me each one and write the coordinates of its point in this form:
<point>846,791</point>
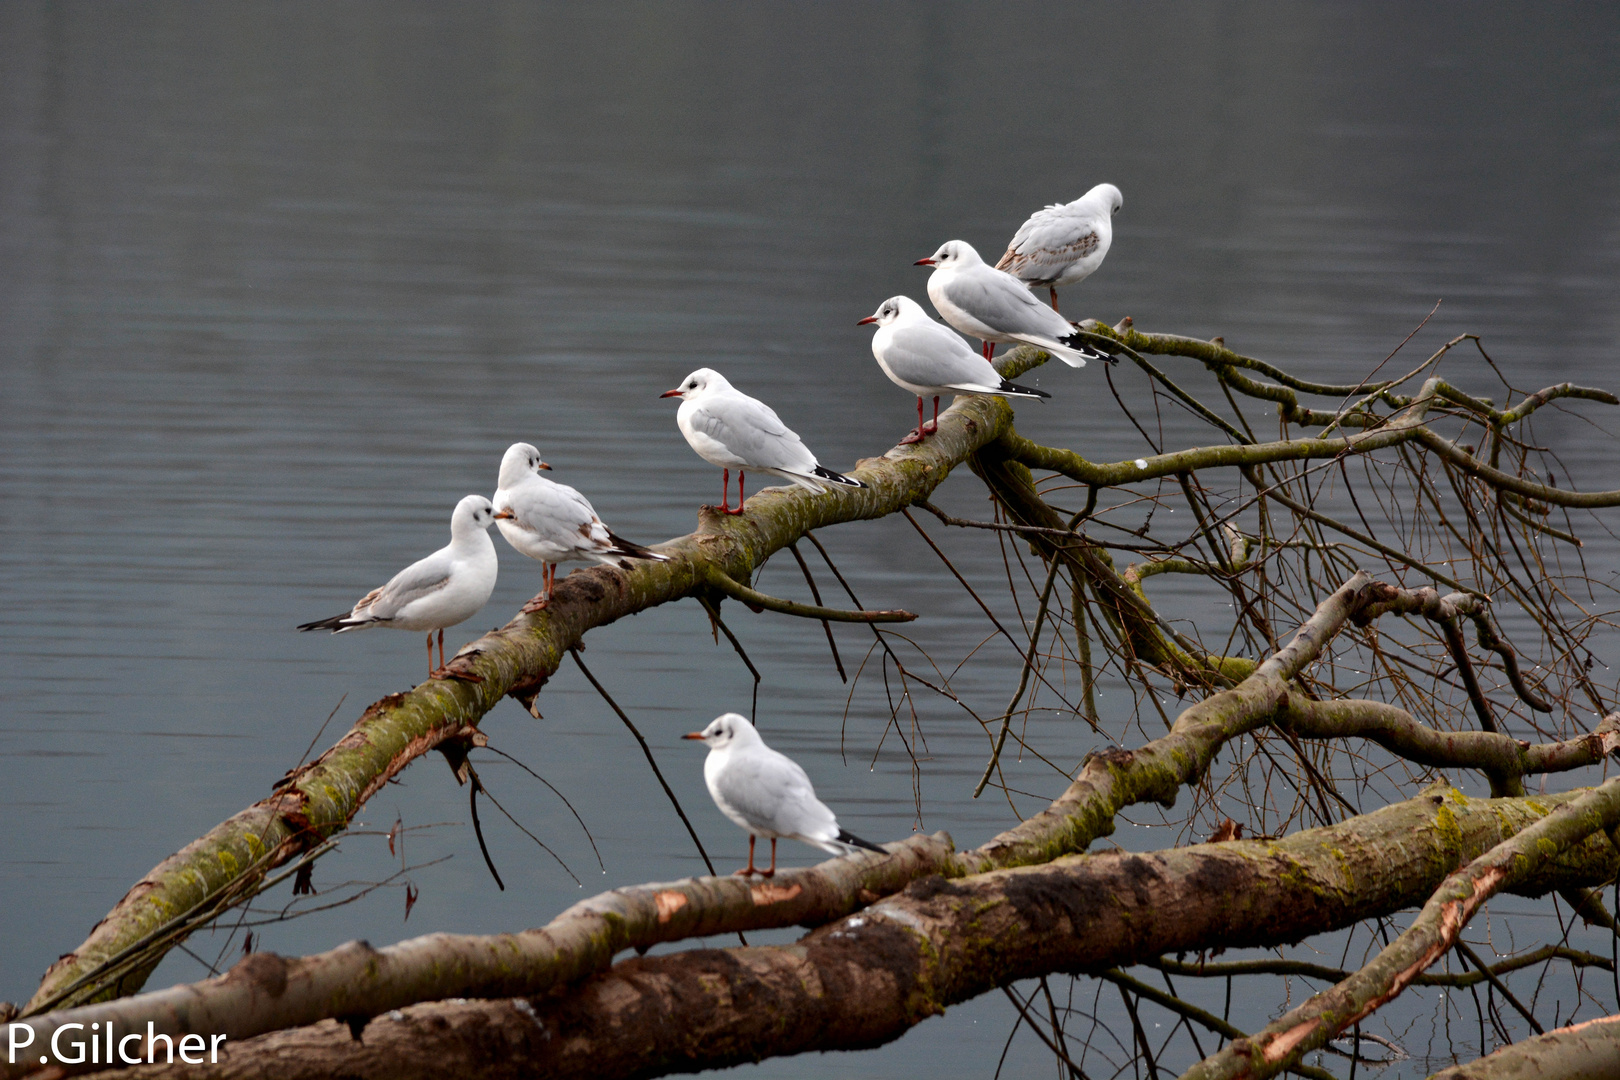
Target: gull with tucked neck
<point>919,355</point>
<point>553,523</point>
<point>728,428</point>
<point>1064,243</point>
<point>446,588</point>
<point>766,793</point>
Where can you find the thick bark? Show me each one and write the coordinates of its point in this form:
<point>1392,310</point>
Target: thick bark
<point>265,992</point>
<point>868,978</point>
<point>1589,1051</point>
<point>356,981</point>
<point>1432,934</point>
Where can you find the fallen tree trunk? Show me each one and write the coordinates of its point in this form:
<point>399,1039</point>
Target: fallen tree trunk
<point>1589,1051</point>
<point>356,982</point>
<point>1432,934</point>
<point>868,978</point>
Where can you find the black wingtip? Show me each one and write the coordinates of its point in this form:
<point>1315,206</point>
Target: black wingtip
<point>1086,349</point>
<point>847,837</point>
<point>1028,391</point>
<point>837,478</point>
<point>633,551</point>
<point>333,624</point>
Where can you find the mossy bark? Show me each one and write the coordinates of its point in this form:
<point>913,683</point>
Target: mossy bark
<point>1582,822</point>
<point>868,978</point>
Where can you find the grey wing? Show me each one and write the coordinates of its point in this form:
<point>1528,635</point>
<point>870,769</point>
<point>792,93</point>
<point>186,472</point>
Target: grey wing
<point>1005,304</point>
<point>771,790</point>
<point>555,512</point>
<point>1049,242</point>
<point>422,578</point>
<point>927,354</point>
<point>751,429</point>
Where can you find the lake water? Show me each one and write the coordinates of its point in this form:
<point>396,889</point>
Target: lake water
<point>279,283</point>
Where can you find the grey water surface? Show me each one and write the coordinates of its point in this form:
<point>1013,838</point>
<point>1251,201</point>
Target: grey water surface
<point>279,283</point>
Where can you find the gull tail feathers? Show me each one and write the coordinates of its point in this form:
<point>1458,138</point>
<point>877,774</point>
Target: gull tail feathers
<point>837,478</point>
<point>1072,355</point>
<point>624,547</point>
<point>1088,350</point>
<point>337,623</point>
<point>1012,389</point>
<point>849,839</point>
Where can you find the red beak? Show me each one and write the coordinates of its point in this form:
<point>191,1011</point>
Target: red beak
<point>868,319</point>
<point>544,466</point>
<point>670,393</point>
<point>924,262</point>
<point>693,735</point>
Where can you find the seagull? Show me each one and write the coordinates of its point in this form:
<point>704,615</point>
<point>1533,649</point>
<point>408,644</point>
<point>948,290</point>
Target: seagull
<point>992,305</point>
<point>766,793</point>
<point>1063,243</point>
<point>552,522</point>
<point>919,355</point>
<point>734,431</point>
<point>447,587</point>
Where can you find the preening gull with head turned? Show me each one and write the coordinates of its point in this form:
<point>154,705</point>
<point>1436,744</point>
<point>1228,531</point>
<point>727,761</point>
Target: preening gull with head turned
<point>446,588</point>
<point>1063,243</point>
<point>766,793</point>
<point>552,522</point>
<point>919,355</point>
<point>734,431</point>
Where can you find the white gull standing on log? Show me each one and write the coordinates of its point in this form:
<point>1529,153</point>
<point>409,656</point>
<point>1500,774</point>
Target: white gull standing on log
<point>1063,243</point>
<point>446,588</point>
<point>552,522</point>
<point>766,793</point>
<point>919,355</point>
<point>728,428</point>
<point>994,306</point>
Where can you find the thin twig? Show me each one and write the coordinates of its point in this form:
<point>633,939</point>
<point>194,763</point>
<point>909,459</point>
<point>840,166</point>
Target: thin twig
<point>715,619</point>
<point>647,750</point>
<point>815,594</point>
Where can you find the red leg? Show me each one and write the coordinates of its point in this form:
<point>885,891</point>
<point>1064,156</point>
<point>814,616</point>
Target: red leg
<point>725,490</point>
<point>916,434</point>
<point>443,671</point>
<point>989,347</point>
<point>1053,288</point>
<point>750,871</point>
<point>772,871</point>
<point>936,415</point>
<point>548,576</point>
<point>739,494</point>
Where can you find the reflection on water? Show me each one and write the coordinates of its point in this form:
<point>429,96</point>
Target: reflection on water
<point>278,286</point>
